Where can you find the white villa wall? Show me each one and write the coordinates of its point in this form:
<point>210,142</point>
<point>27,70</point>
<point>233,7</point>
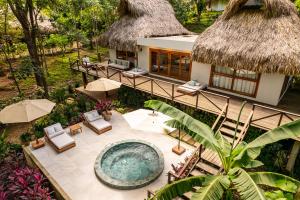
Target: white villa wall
<point>143,58</point>
<point>269,88</point>
<point>112,54</point>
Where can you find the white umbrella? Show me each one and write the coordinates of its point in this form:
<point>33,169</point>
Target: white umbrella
<point>103,85</point>
<point>26,111</point>
<point>146,120</point>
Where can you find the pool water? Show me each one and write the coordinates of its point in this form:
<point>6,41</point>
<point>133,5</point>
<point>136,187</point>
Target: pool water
<point>129,164</point>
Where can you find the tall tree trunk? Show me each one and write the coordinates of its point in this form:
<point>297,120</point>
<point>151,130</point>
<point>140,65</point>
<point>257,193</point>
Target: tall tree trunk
<point>33,52</point>
<point>24,12</point>
<point>5,18</point>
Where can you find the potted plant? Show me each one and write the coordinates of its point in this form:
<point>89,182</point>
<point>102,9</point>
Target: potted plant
<point>104,108</point>
<point>25,138</point>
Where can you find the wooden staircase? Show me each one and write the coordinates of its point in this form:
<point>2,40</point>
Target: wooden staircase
<point>208,162</point>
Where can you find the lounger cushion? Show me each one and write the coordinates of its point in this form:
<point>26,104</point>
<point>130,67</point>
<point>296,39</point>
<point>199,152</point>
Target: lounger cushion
<point>100,124</point>
<point>50,131</point>
<point>92,116</point>
<point>62,140</point>
<point>135,72</point>
<point>58,128</point>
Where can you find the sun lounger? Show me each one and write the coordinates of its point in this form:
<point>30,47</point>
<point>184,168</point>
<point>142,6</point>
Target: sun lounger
<point>59,138</point>
<point>119,64</point>
<point>136,72</point>
<point>96,122</point>
<point>191,87</point>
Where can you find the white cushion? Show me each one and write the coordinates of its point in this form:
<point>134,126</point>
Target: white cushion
<point>57,133</point>
<point>62,140</point>
<point>100,124</point>
<point>92,115</point>
<point>50,131</point>
<point>58,128</point>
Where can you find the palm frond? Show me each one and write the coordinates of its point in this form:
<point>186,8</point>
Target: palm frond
<point>213,188</point>
<point>287,131</point>
<point>245,185</point>
<point>276,180</point>
<point>178,188</point>
<point>201,132</point>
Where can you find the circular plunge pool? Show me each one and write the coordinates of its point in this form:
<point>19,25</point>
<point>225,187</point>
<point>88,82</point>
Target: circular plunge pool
<point>129,164</point>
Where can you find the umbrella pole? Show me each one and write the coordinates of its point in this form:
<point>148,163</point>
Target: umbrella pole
<point>178,149</point>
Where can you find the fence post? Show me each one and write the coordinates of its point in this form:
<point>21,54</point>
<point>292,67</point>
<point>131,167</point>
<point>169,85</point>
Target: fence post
<point>85,80</point>
<point>151,87</point>
<point>107,73</point>
<point>197,99</point>
<point>280,119</point>
<point>120,77</point>
<point>134,81</point>
<point>173,88</point>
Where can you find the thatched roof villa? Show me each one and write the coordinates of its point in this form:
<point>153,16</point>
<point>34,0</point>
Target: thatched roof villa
<point>251,51</point>
<point>141,19</point>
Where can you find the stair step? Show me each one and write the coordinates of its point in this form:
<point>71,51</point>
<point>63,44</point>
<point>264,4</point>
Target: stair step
<point>228,132</point>
<point>207,168</point>
<point>196,172</point>
<point>232,125</point>
<point>229,139</point>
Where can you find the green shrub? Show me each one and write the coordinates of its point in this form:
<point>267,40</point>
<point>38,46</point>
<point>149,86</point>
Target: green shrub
<point>59,95</point>
<point>25,138</point>
<point>4,146</point>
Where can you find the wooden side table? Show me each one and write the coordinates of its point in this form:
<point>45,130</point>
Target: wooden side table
<point>38,144</point>
<point>75,129</point>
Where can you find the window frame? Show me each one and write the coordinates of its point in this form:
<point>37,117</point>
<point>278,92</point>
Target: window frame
<point>169,55</point>
<point>234,77</point>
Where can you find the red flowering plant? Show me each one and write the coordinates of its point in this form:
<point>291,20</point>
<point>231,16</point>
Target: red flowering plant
<point>103,105</point>
<point>26,183</point>
<point>3,195</point>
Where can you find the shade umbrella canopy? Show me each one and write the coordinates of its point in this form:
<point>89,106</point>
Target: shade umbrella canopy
<point>103,85</point>
<point>26,111</point>
<point>145,120</point>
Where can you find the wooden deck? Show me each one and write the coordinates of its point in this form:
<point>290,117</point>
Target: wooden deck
<point>264,117</point>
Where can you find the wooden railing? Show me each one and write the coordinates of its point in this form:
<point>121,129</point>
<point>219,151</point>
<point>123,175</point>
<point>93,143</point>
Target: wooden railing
<point>275,112</point>
<point>186,169</point>
<point>168,91</point>
<point>170,94</point>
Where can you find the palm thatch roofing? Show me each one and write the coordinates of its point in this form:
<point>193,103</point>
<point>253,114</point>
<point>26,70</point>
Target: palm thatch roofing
<point>263,39</point>
<point>141,19</point>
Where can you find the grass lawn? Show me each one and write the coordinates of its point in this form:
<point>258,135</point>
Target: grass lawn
<point>59,75</point>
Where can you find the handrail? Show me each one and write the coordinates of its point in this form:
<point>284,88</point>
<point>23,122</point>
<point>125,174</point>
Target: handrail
<point>245,128</point>
<point>278,112</point>
<point>186,164</point>
<point>224,110</point>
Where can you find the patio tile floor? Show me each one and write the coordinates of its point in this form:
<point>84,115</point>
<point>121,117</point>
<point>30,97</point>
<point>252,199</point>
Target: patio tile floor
<point>73,170</point>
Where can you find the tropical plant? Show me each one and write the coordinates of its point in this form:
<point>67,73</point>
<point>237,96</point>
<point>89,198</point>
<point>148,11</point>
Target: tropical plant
<point>235,159</point>
<point>27,183</point>
<point>4,146</point>
<point>25,138</point>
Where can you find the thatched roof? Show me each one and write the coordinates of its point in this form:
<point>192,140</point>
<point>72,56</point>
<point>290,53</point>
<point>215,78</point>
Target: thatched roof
<point>262,39</point>
<point>140,19</point>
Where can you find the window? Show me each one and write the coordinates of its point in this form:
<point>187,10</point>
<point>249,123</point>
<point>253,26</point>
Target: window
<point>127,55</point>
<point>239,81</point>
<point>170,64</point>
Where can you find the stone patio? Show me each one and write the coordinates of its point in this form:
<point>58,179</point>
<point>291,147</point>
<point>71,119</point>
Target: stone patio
<point>73,170</point>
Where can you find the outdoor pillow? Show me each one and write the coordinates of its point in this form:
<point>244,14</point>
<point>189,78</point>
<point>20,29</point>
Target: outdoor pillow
<point>50,131</point>
<point>88,117</point>
<point>58,128</point>
<point>57,134</point>
<point>192,83</point>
